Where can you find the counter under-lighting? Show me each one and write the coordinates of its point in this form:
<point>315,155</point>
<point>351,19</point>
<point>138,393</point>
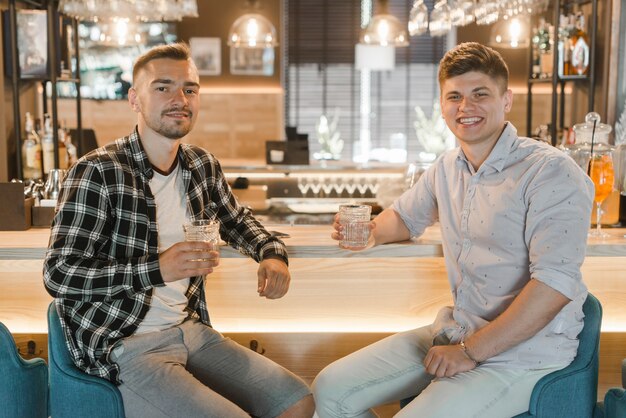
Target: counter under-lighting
<point>338,301</point>
<point>384,289</point>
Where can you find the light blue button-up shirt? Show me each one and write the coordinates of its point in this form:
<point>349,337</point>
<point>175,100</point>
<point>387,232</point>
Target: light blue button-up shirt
<point>523,214</point>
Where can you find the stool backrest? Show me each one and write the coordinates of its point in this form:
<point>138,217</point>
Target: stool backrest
<point>59,356</point>
<point>74,393</point>
<point>23,383</point>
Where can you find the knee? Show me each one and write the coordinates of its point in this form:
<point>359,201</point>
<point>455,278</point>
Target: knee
<point>327,392</point>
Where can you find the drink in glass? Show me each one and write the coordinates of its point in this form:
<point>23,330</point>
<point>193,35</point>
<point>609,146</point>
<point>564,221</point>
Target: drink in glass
<point>602,174</point>
<point>355,220</point>
<point>204,230</point>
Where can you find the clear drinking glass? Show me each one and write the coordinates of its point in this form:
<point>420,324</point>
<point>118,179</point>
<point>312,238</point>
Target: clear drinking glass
<point>486,12</point>
<point>204,230</point>
<point>355,220</point>
<point>602,174</point>
<point>462,12</point>
<point>418,18</point>
<point>440,23</point>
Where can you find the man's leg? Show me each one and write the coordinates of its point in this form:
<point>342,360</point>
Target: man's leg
<point>484,392</point>
<point>388,370</point>
<point>253,382</point>
<point>155,383</point>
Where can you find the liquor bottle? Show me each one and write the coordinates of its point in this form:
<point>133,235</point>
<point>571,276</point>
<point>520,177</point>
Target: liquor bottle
<point>546,33</point>
<point>536,63</point>
<point>63,153</point>
<point>31,150</point>
<point>580,47</point>
<point>72,151</point>
<point>564,46</point>
<point>47,144</point>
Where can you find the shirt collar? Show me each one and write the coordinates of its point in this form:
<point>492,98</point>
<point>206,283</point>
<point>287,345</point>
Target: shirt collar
<point>499,154</point>
<point>138,153</point>
<point>141,158</point>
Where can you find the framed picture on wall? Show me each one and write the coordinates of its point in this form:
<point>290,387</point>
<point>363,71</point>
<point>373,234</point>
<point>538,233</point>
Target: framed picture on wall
<point>207,54</point>
<point>32,43</point>
<point>252,61</point>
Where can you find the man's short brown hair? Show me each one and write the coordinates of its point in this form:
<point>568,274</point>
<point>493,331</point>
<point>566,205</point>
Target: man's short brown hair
<point>177,51</point>
<point>472,56</point>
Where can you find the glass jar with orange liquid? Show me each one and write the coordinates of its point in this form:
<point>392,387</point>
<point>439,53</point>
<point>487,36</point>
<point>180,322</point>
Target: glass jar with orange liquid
<point>602,174</point>
<point>584,133</point>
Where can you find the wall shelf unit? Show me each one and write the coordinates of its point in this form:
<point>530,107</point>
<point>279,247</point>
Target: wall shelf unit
<point>61,30</point>
<point>557,82</point>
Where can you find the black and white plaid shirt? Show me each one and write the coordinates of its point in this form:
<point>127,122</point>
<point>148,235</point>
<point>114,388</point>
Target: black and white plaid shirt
<point>103,262</point>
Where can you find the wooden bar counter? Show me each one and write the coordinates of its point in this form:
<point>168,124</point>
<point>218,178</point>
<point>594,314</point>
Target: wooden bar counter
<point>338,301</point>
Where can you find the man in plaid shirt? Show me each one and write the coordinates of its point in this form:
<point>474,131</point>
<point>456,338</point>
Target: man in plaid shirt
<point>130,291</point>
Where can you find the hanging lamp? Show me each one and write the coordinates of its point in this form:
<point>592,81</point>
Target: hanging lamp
<point>510,33</point>
<point>252,30</point>
<point>384,29</point>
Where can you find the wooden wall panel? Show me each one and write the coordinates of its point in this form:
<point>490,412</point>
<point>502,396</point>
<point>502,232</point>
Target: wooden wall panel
<point>231,123</point>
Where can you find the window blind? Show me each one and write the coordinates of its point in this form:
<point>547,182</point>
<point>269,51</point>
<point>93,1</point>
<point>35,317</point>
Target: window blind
<point>320,77</point>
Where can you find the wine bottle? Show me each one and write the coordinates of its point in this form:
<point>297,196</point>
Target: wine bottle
<point>31,150</point>
<point>580,47</point>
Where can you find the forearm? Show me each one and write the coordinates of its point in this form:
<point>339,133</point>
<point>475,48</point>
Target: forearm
<point>76,278</point>
<point>247,235</point>
<point>533,309</point>
<point>389,227</point>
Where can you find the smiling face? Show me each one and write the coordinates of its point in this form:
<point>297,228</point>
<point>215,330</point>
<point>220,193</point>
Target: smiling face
<point>474,106</point>
<point>166,96</point>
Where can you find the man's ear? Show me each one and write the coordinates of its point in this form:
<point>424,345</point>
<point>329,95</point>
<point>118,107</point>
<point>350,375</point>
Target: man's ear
<point>508,104</point>
<point>133,100</point>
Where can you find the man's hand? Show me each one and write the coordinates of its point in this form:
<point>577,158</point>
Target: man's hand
<point>274,278</point>
<point>187,259</point>
<point>337,234</point>
<point>447,360</point>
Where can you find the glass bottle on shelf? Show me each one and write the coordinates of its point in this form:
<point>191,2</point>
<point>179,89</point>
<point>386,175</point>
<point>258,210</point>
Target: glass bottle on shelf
<point>31,150</point>
<point>564,46</point>
<point>580,47</point>
<point>536,63</point>
<point>546,32</point>
<point>63,153</point>
<point>47,144</point>
<point>72,151</point>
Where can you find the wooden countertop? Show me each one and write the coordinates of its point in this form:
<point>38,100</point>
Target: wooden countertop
<point>308,241</point>
<point>338,300</point>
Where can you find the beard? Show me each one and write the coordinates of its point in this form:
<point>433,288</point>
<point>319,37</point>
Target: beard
<point>170,128</point>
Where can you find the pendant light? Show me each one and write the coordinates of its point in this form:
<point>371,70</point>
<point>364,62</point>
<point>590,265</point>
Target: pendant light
<point>510,33</point>
<point>252,30</point>
<point>384,29</point>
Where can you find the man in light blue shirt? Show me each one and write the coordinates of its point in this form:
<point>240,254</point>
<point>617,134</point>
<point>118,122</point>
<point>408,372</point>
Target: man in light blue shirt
<point>514,215</point>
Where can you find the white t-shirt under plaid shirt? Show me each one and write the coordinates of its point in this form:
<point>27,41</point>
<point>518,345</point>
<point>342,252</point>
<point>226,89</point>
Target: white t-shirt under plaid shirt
<point>102,263</point>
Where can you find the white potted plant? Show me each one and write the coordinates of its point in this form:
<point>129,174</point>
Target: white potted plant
<point>329,138</point>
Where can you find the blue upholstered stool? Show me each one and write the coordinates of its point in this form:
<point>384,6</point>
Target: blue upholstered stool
<point>570,392</point>
<point>73,393</point>
<point>614,405</point>
<point>23,383</point>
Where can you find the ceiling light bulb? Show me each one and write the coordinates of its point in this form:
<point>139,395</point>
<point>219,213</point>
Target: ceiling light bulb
<point>252,29</point>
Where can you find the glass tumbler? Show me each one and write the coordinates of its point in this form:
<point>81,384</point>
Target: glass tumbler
<point>355,220</point>
<point>203,230</point>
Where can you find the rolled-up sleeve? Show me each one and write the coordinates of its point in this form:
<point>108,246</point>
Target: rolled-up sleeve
<point>560,201</point>
<point>417,206</point>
